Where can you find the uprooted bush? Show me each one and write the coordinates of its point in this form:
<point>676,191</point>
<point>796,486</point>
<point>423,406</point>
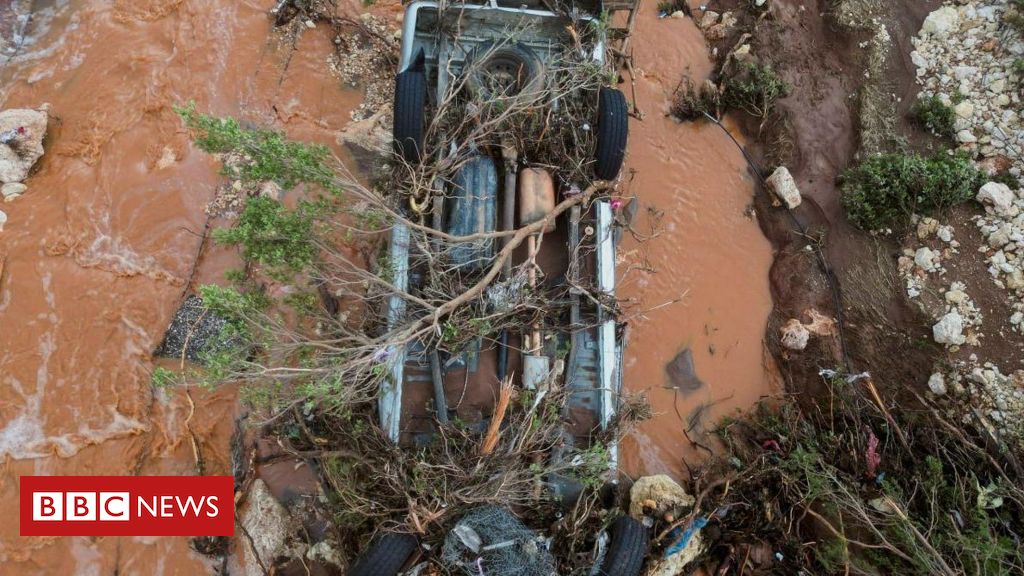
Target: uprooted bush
<point>854,483</point>
<point>750,87</point>
<point>692,102</point>
<point>932,114</point>
<point>884,191</point>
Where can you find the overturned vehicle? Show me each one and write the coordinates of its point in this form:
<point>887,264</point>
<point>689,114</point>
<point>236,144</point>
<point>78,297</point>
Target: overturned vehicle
<point>509,134</point>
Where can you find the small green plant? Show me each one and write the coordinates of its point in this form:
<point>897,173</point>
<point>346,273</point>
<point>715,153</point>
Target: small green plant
<point>932,114</point>
<point>754,88</point>
<point>449,332</point>
<point>304,303</point>
<point>884,191</point>
<point>594,464</point>
<point>164,378</point>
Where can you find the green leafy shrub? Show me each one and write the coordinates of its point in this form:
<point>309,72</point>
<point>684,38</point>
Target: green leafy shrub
<point>236,307</point>
<point>884,191</point>
<point>267,155</point>
<point>273,235</point>
<point>754,88</point>
<point>935,116</point>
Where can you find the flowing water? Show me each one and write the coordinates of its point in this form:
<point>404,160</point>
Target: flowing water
<point>100,249</point>
<point>708,253</point>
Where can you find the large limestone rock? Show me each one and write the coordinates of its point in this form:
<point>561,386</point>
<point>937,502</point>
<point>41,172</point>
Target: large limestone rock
<point>660,493</point>
<point>941,22</point>
<point>21,142</point>
<point>267,523</point>
<point>997,195</point>
<point>783,185</point>
<point>795,335</point>
<point>949,330</point>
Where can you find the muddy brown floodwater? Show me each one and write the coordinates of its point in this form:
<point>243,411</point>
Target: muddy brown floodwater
<point>99,250</point>
<point>710,253</point>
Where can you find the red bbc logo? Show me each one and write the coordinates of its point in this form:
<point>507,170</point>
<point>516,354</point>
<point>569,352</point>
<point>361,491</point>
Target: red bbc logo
<point>127,505</point>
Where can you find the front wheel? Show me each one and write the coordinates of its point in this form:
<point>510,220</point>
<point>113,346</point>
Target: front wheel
<point>410,112</point>
<point>612,132</point>
<point>627,550</point>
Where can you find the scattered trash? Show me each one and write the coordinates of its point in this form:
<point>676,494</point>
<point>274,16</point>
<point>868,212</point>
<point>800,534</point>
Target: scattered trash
<point>872,455</point>
<point>491,541</point>
<point>680,544</point>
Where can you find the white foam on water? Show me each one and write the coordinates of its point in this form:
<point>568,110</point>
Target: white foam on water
<point>111,255</point>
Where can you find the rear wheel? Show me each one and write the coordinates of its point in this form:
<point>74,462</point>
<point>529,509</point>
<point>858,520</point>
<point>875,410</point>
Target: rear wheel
<point>410,107</point>
<point>612,132</point>
<point>386,555</point>
<point>627,550</point>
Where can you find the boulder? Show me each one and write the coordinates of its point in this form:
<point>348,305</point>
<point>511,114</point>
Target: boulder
<point>709,19</point>
<point>949,330</point>
<point>267,523</point>
<point>783,185</point>
<point>662,495</point>
<point>21,142</point>
<point>941,22</point>
<point>795,335</point>
<point>997,195</point>
<point>937,384</point>
<point>12,190</point>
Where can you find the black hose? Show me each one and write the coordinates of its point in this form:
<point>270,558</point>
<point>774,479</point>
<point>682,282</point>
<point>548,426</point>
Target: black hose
<point>823,263</point>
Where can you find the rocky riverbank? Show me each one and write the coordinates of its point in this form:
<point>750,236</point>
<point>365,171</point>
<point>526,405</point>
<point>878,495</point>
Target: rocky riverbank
<point>967,270</point>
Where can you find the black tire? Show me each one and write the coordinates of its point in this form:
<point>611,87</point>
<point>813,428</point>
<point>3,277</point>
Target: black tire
<point>516,64</point>
<point>612,133</point>
<point>410,111</point>
<point>386,555</point>
<point>627,550</point>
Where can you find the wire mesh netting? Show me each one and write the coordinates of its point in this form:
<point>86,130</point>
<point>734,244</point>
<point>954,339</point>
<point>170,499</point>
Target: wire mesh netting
<point>491,541</point>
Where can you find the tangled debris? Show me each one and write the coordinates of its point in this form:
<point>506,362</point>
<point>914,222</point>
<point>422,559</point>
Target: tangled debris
<point>313,299</point>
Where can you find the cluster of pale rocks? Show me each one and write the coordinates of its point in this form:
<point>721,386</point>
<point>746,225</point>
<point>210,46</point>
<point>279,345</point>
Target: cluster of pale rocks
<point>965,56</point>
